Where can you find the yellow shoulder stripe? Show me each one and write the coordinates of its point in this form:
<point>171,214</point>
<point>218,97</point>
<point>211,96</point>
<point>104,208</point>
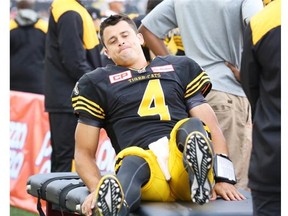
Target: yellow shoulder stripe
<point>42,25</point>
<point>272,16</point>
<point>13,24</point>
<point>59,7</point>
<point>82,103</point>
<point>197,84</point>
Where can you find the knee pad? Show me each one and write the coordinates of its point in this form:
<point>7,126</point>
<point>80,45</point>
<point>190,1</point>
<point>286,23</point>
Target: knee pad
<point>192,124</point>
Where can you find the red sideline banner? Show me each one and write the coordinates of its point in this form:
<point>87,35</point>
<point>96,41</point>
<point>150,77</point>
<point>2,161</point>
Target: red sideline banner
<point>30,147</point>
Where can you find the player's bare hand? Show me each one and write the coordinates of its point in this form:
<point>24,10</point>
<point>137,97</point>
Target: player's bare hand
<point>89,204</point>
<point>226,191</point>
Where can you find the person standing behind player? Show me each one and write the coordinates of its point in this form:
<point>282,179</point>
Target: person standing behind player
<point>71,51</point>
<point>27,49</point>
<point>96,16</point>
<point>115,7</point>
<point>212,35</point>
<point>261,80</point>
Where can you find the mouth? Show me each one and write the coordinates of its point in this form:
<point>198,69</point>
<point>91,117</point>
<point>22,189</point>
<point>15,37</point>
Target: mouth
<point>124,48</point>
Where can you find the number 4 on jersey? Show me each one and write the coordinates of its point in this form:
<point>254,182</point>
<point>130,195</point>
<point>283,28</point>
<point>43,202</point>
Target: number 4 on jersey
<point>153,101</point>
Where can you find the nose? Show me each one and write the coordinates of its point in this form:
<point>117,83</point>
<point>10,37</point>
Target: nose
<point>121,42</point>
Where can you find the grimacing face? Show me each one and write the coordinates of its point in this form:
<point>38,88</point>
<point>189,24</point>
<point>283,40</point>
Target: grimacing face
<point>123,44</point>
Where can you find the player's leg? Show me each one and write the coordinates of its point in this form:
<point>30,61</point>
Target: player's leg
<point>157,188</point>
<point>133,174</point>
<point>141,179</point>
<point>193,139</point>
<point>115,198</point>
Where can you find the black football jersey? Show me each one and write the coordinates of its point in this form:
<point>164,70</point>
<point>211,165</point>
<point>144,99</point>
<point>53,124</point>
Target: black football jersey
<point>137,108</point>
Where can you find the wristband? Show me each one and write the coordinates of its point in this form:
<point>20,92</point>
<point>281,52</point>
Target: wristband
<point>223,169</point>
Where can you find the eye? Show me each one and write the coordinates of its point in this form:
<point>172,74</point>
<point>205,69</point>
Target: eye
<point>125,34</point>
<point>112,41</point>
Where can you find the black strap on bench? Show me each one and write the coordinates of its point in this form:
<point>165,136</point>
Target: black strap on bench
<point>44,185</point>
<point>42,191</point>
<point>65,191</point>
<point>39,206</point>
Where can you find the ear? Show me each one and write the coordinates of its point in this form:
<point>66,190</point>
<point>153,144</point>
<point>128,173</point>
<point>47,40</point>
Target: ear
<point>106,53</point>
<point>141,38</point>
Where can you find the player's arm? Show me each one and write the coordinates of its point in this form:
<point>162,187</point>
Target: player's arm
<point>85,101</point>
<point>87,131</point>
<point>87,139</point>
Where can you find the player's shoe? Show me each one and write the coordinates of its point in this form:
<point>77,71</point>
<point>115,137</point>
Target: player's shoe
<point>198,160</point>
<point>109,197</point>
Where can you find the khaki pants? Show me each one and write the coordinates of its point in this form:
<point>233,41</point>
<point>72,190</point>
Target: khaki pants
<point>234,116</point>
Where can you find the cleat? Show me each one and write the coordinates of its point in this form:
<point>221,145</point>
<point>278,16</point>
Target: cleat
<point>110,197</point>
<point>197,158</point>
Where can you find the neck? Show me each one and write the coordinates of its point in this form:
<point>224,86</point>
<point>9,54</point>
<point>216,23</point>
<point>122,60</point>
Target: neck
<point>139,67</point>
<point>140,64</point>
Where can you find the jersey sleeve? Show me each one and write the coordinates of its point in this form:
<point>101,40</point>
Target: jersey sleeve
<point>195,79</point>
<point>85,100</point>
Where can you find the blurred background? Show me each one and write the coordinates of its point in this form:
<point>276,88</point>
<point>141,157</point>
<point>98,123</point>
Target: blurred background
<point>42,6</point>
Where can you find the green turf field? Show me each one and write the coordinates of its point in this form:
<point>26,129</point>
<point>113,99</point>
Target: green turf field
<point>19,212</point>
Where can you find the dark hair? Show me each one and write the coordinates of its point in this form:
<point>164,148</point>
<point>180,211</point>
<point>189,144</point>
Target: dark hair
<point>25,4</point>
<point>113,20</point>
<point>151,4</point>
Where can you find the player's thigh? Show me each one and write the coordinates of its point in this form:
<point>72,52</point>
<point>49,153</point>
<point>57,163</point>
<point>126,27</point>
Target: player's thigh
<point>157,188</point>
